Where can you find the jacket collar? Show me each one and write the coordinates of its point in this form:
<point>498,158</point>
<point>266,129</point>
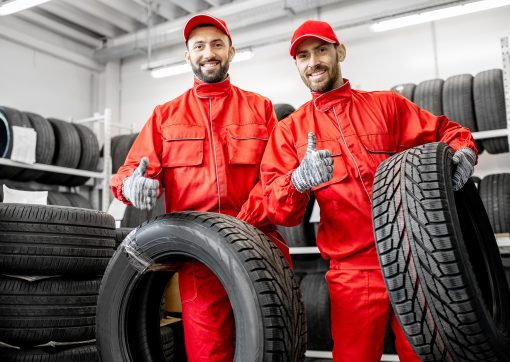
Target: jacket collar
<point>338,96</point>
<point>212,89</point>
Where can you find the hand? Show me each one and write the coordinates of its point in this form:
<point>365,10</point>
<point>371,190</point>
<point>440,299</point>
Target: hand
<point>315,169</point>
<point>465,160</point>
<point>141,191</point>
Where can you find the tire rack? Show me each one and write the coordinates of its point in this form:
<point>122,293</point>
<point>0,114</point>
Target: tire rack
<point>502,239</point>
<point>105,120</point>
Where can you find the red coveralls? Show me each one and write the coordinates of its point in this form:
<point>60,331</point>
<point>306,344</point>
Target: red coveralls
<point>361,129</point>
<point>205,147</point>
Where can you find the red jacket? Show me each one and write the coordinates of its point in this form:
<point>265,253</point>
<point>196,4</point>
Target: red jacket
<point>361,129</point>
<point>205,148</point>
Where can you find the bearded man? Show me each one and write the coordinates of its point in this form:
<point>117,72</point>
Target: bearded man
<point>205,148</point>
<point>331,146</point>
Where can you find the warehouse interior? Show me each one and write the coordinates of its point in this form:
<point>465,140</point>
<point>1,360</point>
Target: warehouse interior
<point>97,61</point>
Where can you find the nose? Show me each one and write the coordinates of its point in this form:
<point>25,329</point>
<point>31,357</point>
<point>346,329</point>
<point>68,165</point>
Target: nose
<point>313,60</point>
<point>208,52</point>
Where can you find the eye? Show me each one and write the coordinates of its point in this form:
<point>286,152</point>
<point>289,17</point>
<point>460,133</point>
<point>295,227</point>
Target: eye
<point>301,56</point>
<point>198,46</point>
<point>322,49</point>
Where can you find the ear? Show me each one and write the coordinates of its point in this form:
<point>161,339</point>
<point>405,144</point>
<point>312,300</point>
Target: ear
<point>187,57</point>
<point>231,54</point>
<point>342,52</point>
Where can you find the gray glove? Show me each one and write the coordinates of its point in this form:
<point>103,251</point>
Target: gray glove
<point>315,169</point>
<point>465,159</point>
<point>141,191</point>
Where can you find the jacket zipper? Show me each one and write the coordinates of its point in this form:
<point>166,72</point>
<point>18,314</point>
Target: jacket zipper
<point>214,153</point>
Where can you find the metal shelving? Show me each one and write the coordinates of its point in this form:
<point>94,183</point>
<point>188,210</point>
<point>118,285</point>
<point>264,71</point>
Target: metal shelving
<point>105,120</point>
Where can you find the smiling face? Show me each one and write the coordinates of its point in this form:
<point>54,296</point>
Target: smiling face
<point>209,54</point>
<point>318,63</point>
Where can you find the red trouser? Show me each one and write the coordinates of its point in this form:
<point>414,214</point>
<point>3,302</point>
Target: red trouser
<point>360,309</point>
<point>207,314</point>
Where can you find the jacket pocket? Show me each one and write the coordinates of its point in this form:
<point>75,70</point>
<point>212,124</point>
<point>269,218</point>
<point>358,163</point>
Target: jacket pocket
<point>183,145</point>
<point>339,169</point>
<point>380,143</point>
<point>246,144</point>
<point>380,146</point>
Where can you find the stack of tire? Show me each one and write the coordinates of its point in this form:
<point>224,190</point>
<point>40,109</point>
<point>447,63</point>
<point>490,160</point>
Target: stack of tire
<point>477,103</point>
<point>51,318</point>
<point>59,143</point>
<point>495,194</point>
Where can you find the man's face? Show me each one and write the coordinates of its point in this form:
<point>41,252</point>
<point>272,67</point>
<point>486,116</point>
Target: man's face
<point>318,64</point>
<point>209,54</point>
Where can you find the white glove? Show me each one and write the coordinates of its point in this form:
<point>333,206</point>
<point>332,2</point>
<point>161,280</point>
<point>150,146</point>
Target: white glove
<point>141,191</point>
<point>465,160</point>
<point>315,169</point>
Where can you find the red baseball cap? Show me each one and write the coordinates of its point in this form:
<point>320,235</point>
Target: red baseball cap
<point>312,29</point>
<point>203,19</point>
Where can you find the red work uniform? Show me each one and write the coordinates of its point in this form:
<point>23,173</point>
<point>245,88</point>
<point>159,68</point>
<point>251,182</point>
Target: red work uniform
<point>205,148</point>
<point>361,129</point>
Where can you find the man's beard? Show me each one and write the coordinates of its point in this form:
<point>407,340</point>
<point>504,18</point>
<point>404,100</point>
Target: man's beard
<point>217,76</point>
<point>325,86</point>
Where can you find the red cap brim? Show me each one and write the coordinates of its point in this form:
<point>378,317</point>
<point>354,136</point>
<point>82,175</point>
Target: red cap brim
<point>302,38</point>
<point>202,19</point>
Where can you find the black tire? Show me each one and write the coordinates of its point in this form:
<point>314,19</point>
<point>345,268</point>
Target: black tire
<point>283,110</point>
<point>178,337</point>
<point>89,157</point>
<point>314,289</point>
<point>458,102</point>
<point>5,135</point>
<point>55,309</point>
<point>489,98</point>
<point>167,343</point>
<point>159,209</point>
<point>405,90</point>
<point>67,151</point>
<point>77,200</point>
<point>505,258</point>
<point>295,235</point>
<point>301,235</point>
<point>476,180</point>
<point>309,263</point>
<point>134,217</point>
<point>495,194</point>
<point>267,306</point>
<point>440,259</point>
<point>389,340</point>
<point>56,198</point>
<point>85,353</point>
<point>18,119</point>
<point>120,234</point>
<point>45,146</point>
<point>120,148</point>
<point>429,95</point>
<point>45,240</point>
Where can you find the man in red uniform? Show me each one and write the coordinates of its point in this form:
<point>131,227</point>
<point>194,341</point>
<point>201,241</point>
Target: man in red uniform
<point>331,146</point>
<point>205,147</point>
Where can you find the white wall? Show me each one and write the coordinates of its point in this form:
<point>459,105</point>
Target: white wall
<point>40,83</point>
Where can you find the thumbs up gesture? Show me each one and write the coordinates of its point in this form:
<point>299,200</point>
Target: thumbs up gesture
<point>315,169</point>
<point>141,191</point>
